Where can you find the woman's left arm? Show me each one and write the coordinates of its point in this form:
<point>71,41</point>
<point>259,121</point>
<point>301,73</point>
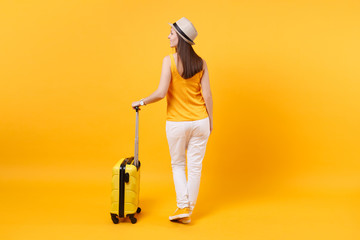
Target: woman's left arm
<point>163,87</point>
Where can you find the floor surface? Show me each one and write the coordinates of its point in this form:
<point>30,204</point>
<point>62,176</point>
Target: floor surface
<point>63,203</point>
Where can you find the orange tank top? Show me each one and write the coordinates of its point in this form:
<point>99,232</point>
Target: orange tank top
<point>184,97</point>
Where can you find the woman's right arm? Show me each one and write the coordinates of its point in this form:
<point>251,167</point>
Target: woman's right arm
<point>163,87</point>
<point>206,92</point>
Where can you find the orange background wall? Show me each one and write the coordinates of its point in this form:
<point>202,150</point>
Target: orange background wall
<point>284,77</point>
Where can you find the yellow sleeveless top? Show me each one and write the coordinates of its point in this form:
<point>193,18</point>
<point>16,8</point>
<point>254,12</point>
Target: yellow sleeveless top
<point>184,98</point>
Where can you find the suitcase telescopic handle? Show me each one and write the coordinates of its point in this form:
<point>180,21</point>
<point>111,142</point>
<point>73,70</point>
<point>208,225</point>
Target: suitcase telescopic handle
<point>136,156</point>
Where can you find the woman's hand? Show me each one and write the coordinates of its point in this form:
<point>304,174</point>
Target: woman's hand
<point>135,104</point>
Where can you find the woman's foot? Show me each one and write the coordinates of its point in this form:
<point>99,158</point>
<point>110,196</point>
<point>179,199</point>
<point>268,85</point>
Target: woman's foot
<point>180,213</point>
<point>185,220</point>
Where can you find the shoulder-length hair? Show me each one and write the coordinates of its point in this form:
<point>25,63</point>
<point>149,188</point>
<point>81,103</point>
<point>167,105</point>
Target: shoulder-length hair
<point>192,63</point>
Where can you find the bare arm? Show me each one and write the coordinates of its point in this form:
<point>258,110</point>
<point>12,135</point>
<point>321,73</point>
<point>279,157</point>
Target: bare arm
<point>163,87</point>
<point>206,92</point>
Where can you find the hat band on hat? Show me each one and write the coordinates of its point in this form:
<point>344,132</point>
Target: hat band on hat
<point>181,32</point>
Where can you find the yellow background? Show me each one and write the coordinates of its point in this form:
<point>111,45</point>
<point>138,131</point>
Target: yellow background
<point>282,161</point>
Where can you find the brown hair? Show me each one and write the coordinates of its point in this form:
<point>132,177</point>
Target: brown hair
<point>192,63</point>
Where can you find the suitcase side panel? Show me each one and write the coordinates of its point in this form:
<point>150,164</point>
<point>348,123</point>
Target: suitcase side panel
<point>115,194</point>
<point>114,208</point>
<point>132,188</point>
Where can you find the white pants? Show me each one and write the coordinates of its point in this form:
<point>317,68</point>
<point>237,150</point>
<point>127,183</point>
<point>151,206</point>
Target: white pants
<point>191,136</point>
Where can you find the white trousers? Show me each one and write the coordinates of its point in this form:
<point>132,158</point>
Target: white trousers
<point>190,136</point>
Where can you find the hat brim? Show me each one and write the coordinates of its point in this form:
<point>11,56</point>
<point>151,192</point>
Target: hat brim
<point>191,43</point>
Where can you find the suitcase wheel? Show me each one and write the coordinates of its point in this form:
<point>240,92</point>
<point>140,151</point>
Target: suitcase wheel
<point>138,210</point>
<point>132,219</point>
<point>114,218</point>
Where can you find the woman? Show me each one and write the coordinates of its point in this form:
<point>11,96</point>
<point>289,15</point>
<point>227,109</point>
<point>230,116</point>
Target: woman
<point>185,82</point>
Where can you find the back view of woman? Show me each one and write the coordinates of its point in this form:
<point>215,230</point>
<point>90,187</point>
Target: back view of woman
<point>185,83</point>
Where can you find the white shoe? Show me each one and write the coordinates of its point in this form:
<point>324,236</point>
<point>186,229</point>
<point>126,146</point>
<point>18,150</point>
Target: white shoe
<point>180,213</point>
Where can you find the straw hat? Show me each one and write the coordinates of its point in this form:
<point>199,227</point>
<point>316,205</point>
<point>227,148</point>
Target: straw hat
<point>185,29</point>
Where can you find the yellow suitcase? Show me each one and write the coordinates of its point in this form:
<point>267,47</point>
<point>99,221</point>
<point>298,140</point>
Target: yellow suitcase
<point>126,185</point>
